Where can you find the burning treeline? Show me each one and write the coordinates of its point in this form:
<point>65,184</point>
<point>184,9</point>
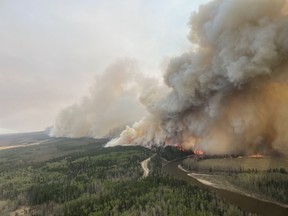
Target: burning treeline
<point>230,93</point>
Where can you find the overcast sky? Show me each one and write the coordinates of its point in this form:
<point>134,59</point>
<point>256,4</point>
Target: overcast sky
<point>51,50</point>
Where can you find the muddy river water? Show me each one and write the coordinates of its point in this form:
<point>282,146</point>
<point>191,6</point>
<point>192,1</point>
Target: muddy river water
<point>244,202</point>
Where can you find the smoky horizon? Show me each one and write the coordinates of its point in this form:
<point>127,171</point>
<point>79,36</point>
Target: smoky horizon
<point>94,70</point>
<point>52,52</point>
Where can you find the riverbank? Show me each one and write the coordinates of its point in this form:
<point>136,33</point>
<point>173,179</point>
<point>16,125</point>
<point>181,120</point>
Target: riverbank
<point>220,182</point>
<point>245,202</point>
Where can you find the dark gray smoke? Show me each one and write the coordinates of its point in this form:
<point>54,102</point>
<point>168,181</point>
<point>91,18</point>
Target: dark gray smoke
<point>230,93</point>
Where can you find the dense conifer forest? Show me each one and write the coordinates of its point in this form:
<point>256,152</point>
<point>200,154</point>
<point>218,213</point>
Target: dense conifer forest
<point>81,177</point>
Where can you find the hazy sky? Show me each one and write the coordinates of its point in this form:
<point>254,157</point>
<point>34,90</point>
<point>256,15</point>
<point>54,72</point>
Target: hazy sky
<point>51,50</point>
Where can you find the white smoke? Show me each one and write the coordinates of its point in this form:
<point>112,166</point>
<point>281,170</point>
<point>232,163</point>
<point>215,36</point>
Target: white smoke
<point>228,94</point>
<point>112,103</point>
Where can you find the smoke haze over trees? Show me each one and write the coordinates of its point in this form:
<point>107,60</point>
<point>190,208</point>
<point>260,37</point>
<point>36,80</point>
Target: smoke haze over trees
<point>229,93</point>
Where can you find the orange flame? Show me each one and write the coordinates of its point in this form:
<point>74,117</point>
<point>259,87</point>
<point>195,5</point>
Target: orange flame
<point>198,152</point>
<point>255,156</point>
<point>180,148</point>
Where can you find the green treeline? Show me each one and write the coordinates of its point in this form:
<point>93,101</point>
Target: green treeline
<point>92,180</point>
<point>155,195</point>
<point>271,184</point>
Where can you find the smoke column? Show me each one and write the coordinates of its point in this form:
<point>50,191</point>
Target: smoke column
<point>112,103</point>
<point>230,93</point>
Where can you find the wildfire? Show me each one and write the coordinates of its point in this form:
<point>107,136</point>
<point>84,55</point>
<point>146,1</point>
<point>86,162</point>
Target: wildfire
<point>198,152</point>
<point>255,156</point>
<point>180,148</point>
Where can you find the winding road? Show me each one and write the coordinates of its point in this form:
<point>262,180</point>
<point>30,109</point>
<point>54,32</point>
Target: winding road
<point>144,165</point>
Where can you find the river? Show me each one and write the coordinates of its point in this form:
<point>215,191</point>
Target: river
<point>246,203</point>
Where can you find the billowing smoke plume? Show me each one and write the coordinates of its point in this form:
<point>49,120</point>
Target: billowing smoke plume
<point>230,94</point>
<point>111,104</point>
